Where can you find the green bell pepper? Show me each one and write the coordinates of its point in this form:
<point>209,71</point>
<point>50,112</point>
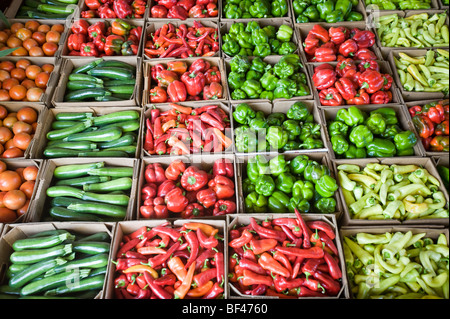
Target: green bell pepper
<point>252,88</point>
<point>236,28</point>
<point>355,152</point>
<point>246,140</point>
<point>257,166</point>
<point>298,164</point>
<point>279,8</point>
<point>284,33</point>
<point>283,69</point>
<point>259,36</point>
<point>240,64</point>
<point>376,123</point>
<point>251,26</point>
<point>293,128</point>
<point>337,128</point>
<point>405,140</point>
<point>231,47</point>
<point>245,52</point>
<point>310,130</point>
<point>335,16</point>
<point>301,19</point>
<point>314,171</point>
<point>312,13</point>
<point>405,152</point>
<point>278,165</point>
<point>302,205</point>
<point>259,9</point>
<point>236,80</point>
<point>345,6</point>
<point>243,113</point>
<point>275,45</point>
<point>232,11</point>
<point>258,124</point>
<point>325,7</point>
<point>271,31</point>
<point>299,6</point>
<point>361,136</point>
<point>286,88</point>
<point>238,94</point>
<point>388,113</point>
<point>253,75</point>
<point>265,185</point>
<point>276,119</point>
<point>278,202</point>
<point>255,203</point>
<point>380,147</point>
<point>312,143</point>
<point>287,48</point>
<point>298,111</point>
<point>302,90</point>
<point>262,50</point>
<point>326,186</point>
<point>245,40</point>
<point>284,182</point>
<point>351,116</point>
<point>326,205</point>
<point>269,81</point>
<point>391,131</point>
<point>339,144</point>
<point>354,16</point>
<point>291,146</point>
<point>247,186</point>
<point>303,189</point>
<point>266,95</point>
<point>259,65</point>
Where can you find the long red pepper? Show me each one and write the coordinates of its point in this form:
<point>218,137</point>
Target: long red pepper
<point>159,291</point>
<point>193,242</point>
<point>127,246</point>
<point>220,267</point>
<point>203,277</point>
<point>251,265</point>
<point>266,232</point>
<point>321,225</point>
<point>305,229</point>
<point>252,278</point>
<point>206,241</point>
<point>333,266</point>
<point>313,252</point>
<point>215,291</point>
<point>159,259</point>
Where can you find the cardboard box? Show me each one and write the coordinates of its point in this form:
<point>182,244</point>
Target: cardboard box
<point>272,60</point>
<point>65,52</point>
<point>84,7</point>
<point>241,173</point>
<point>42,201</point>
<point>14,232</point>
<point>68,65</point>
<point>411,95</point>
<point>234,220</point>
<point>152,3</point>
<point>12,11</point>
<point>204,162</point>
<point>432,233</point>
<point>41,111</point>
<point>163,107</point>
<point>127,227</point>
<point>46,125</point>
<point>156,24</point>
<point>329,114</point>
<point>425,152</point>
<point>148,81</point>
<point>13,164</point>
<point>424,162</point>
<point>225,28</point>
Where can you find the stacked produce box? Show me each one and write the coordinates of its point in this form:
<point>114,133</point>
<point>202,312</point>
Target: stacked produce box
<point>224,149</point>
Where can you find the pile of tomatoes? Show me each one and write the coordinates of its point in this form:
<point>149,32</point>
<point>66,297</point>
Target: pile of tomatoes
<point>31,38</point>
<point>23,81</point>
<point>16,131</point>
<point>16,189</point>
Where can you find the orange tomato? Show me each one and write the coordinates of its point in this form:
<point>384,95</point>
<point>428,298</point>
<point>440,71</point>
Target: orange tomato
<point>30,43</point>
<point>22,127</point>
<point>16,26</point>
<point>3,112</point>
<point>9,180</point>
<point>39,37</point>
<point>32,25</point>
<point>23,63</point>
<point>36,51</point>
<point>9,83</point>
<point>48,68</point>
<point>42,80</point>
<point>23,34</point>
<point>27,114</point>
<point>20,51</point>
<point>34,94</point>
<point>8,145</point>
<point>7,215</point>
<point>30,173</point>
<point>13,152</point>
<point>13,41</point>
<point>28,83</point>
<point>7,65</point>
<point>18,73</point>
<point>32,71</point>
<point>18,92</point>
<point>53,36</point>
<point>9,121</point>
<point>4,95</point>
<point>49,48</point>
<point>22,140</point>
<point>58,28</point>
<point>3,36</point>
<point>23,210</point>
<point>3,166</point>
<point>14,199</point>
<point>44,28</point>
<point>27,187</point>
<point>4,75</point>
<point>5,134</point>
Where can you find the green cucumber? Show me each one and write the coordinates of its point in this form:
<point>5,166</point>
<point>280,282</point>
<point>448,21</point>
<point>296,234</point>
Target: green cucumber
<point>126,126</point>
<point>122,183</point>
<point>67,191</point>
<point>112,72</point>
<point>78,145</point>
<point>101,236</point>
<point>91,247</point>
<point>101,135</point>
<point>41,242</point>
<point>48,8</point>
<point>80,181</point>
<point>126,139</point>
<point>116,117</point>
<point>129,149</point>
<point>116,63</point>
<point>112,171</point>
<point>85,94</point>
<point>75,170</point>
<point>56,125</point>
<point>104,153</point>
<point>74,116</point>
<point>89,283</point>
<point>123,89</point>
<point>63,214</point>
<point>80,85</point>
<point>104,209</point>
<point>88,66</point>
<point>94,261</point>
<point>84,77</point>
<point>67,131</point>
<point>114,199</point>
<point>37,255</point>
<point>107,84</point>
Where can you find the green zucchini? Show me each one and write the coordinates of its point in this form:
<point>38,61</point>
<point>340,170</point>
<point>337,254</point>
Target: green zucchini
<point>78,145</point>
<point>107,84</point>
<point>31,3</point>
<point>48,8</point>
<point>84,94</point>
<point>122,183</point>
<point>126,126</point>
<point>63,214</point>
<point>129,149</point>
<point>35,14</point>
<point>56,152</point>
<point>101,236</point>
<point>122,96</point>
<point>112,171</point>
<point>123,89</point>
<point>41,242</point>
<point>56,191</point>
<point>109,98</point>
<point>112,72</point>
<point>98,271</point>
<point>91,247</point>
<point>75,170</point>
<point>7,289</point>
<point>89,283</point>
<point>74,116</point>
<point>49,233</point>
<point>93,261</point>
<point>88,66</point>
<point>64,201</point>
<point>37,255</point>
<point>80,85</point>
<point>101,135</point>
<point>126,139</point>
<point>114,199</point>
<point>15,268</point>
<point>84,77</point>
<point>103,153</point>
<point>104,209</point>
<point>116,117</point>
<point>67,131</point>
<point>116,63</point>
<point>80,181</point>
<point>56,125</point>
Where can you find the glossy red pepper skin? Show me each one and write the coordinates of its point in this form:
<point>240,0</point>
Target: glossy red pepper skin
<point>440,143</point>
<point>365,54</point>
<point>223,207</point>
<point>88,49</point>
<point>207,197</point>
<point>370,80</point>
<point>194,82</point>
<point>368,64</point>
<point>361,98</point>
<point>324,78</point>
<point>113,44</point>
<point>177,12</point>
<point>222,186</point>
<point>177,91</point>
<point>98,28</point>
<point>311,44</point>
<point>330,97</point>
<point>346,88</point>
<point>175,200</point>
<point>75,40</point>
<point>348,48</point>
<point>105,12</point>
<point>139,7</point>
<point>320,33</point>
<point>158,11</point>
<point>338,34</point>
<point>423,125</point>
<point>213,91</point>
<point>122,9</point>
<point>80,27</point>
<point>344,65</point>
<point>364,38</point>
<point>381,97</point>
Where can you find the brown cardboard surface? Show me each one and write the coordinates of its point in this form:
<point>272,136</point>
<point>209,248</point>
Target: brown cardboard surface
<point>67,65</point>
<point>425,162</point>
<point>14,232</point>
<point>46,124</point>
<point>163,107</point>
<point>410,95</point>
<point>42,202</point>
<point>238,219</point>
<point>148,85</point>
<point>204,162</point>
<point>329,114</point>
<point>127,227</point>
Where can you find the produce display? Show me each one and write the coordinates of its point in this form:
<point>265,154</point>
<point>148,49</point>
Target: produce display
<point>338,43</point>
<point>184,9</point>
<point>396,265</point>
<point>286,257</point>
<point>16,189</point>
<point>252,39</point>
<point>168,262</point>
<point>23,80</point>
<point>280,185</point>
<point>112,9</point>
<point>402,192</point>
<point>46,9</point>
<point>424,73</point>
<point>187,190</point>
<point>185,130</point>
<point>183,41</point>
<point>278,131</point>
<point>400,4</point>
<point>42,264</point>
<point>330,11</point>
<point>245,9</point>
<point>85,192</point>
<point>179,81</point>
<point>257,79</point>
<point>32,38</point>
<point>17,131</point>
<point>432,124</point>
<point>103,38</point>
<point>101,80</point>
<point>358,134</point>
<point>418,30</point>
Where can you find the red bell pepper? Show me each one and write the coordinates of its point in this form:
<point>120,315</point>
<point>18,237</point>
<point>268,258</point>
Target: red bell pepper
<point>338,34</point>
<point>416,109</point>
<point>177,91</point>
<point>175,170</point>
<point>371,80</point>
<point>223,207</point>
<point>177,12</point>
<point>365,54</point>
<point>175,200</point>
<point>165,77</point>
<point>330,97</point>
<point>381,97</point>
<point>122,9</point>
<point>139,6</point>
<point>80,27</point>
<point>158,95</point>
<point>345,65</point>
<point>197,11</point>
<point>311,44</point>
<point>213,91</point>
<point>361,98</point>
<point>440,143</point>
<point>194,82</point>
<point>154,173</point>
<point>193,210</point>
<point>113,44</point>
<point>186,4</point>
<point>213,75</point>
<point>435,113</point>
<point>324,54</point>
<point>346,88</point>
<point>364,38</point>
<point>194,178</point>
<point>423,125</point>
<point>88,49</point>
<point>75,40</point>
<point>222,186</point>
<point>158,11</point>
<point>324,78</point>
<point>99,42</point>
<point>167,3</point>
<point>89,14</point>
<point>120,27</point>
<point>93,4</point>
<point>212,9</point>
<point>368,64</point>
<point>348,48</point>
<point>105,12</point>
<point>207,197</point>
<point>320,33</point>
<point>223,167</point>
<point>97,28</point>
<point>442,128</point>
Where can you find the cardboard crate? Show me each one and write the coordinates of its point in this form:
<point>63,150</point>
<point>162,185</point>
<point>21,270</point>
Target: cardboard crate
<point>13,9</point>
<point>14,232</point>
<point>204,162</point>
<point>283,107</point>
<point>425,162</point>
<point>13,164</point>
<point>234,220</point>
<point>442,6</point>
<point>148,81</point>
<point>411,95</point>
<point>41,111</point>
<point>225,28</point>
<point>65,52</point>
<point>68,65</point>
<point>329,114</point>
<point>84,7</point>
<point>152,3</point>
<point>42,205</point>
<point>272,60</point>
<point>127,227</point>
<point>425,152</point>
<point>52,81</point>
<point>384,68</point>
<point>241,174</point>
<point>156,24</point>
<point>163,107</point>
<point>46,125</point>
<point>432,233</point>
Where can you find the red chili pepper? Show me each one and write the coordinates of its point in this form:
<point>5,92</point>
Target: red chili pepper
<point>158,290</point>
<point>214,293</point>
<point>251,278</point>
<point>220,267</point>
<point>193,242</point>
<point>159,259</point>
<point>127,246</point>
<point>252,266</point>
<point>245,238</point>
<point>281,283</point>
<point>266,232</point>
<point>331,286</point>
<point>261,245</point>
<point>323,226</point>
